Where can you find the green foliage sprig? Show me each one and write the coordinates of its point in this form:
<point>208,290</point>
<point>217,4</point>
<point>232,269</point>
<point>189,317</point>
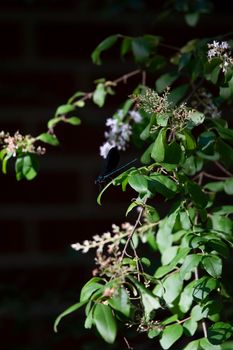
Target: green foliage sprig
<point>186,163</point>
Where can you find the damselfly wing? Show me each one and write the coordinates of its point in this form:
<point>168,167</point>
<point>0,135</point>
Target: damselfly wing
<point>111,163</point>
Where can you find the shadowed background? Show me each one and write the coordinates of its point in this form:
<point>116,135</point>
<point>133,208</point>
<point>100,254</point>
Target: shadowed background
<point>44,58</point>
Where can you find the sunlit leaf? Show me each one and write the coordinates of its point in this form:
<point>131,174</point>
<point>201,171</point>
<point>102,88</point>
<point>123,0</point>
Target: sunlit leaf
<point>105,322</point>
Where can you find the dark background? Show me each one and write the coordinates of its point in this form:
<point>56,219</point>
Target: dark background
<point>45,49</point>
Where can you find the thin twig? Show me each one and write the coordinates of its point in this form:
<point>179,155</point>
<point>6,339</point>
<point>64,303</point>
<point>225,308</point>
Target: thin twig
<point>172,47</point>
<point>127,344</point>
<point>132,233</point>
<point>122,78</point>
<point>223,169</point>
<point>194,90</point>
<point>210,176</point>
<point>125,77</point>
<point>144,77</point>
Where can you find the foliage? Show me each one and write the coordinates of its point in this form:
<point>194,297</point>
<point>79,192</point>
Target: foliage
<point>186,158</point>
<point>180,122</point>
<point>25,149</point>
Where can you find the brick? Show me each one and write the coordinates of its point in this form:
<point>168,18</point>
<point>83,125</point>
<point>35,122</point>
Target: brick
<point>50,188</point>
<point>84,139</point>
<point>29,88</point>
<point>66,40</point>
<point>12,236</point>
<point>36,5</point>
<point>11,38</point>
<point>60,234</point>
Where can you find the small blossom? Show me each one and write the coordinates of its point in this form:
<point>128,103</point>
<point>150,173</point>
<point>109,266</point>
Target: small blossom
<point>136,116</point>
<point>105,148</point>
<point>220,50</point>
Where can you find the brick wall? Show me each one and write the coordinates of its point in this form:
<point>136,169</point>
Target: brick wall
<point>44,58</point>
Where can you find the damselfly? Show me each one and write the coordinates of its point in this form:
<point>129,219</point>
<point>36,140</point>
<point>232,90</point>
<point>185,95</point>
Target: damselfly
<point>111,163</point>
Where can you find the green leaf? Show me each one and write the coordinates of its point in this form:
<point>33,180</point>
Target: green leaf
<point>166,80</point>
<point>224,210</point>
<point>103,190</point>
<point>216,186</point>
<point>126,46</point>
<point>105,322</point>
<point>190,263</point>
<point>152,333</point>
<point>195,119</point>
<point>173,154</point>
<point>75,96</point>
<point>222,225</point>
<point>120,302</point>
<point>103,46</point>
<point>218,246</point>
<point>170,319</point>
<point>67,312</point>
<point>225,133</point>
<point>48,138</point>
<point>139,183</point>
<point>163,270</point>
<point>193,345</point>
<point>227,346</point>
<point>190,142</point>
<point>198,313</point>
<point>149,300</point>
<point>99,95</point>
<point>192,165</point>
<point>198,197</point>
<point>170,335</point>
<point>173,285</point>
<point>169,254</point>
<point>162,184</point>
<point>5,159</point>
<point>90,287</point>
<point>158,150</point>
<point>206,345</point>
<point>89,315</point>
<point>145,261</point>
<point>177,94</point>
<point>53,122</point>
<point>164,237</point>
<point>141,49</point>
<point>190,326</point>
<point>213,265</point>
<point>219,332</point>
<point>146,157</point>
<point>228,186</point>
<point>203,287</point>
<point>131,207</point>
<point>26,167</point>
<point>192,18</point>
<point>151,214</point>
<point>73,121</point>
<point>64,109</point>
<point>186,297</point>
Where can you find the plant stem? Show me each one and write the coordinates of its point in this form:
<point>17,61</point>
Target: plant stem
<point>220,166</point>
<point>122,78</point>
<point>203,323</point>
<point>132,233</point>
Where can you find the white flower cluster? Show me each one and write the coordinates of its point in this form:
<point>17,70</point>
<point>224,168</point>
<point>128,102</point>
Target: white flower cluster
<point>220,50</point>
<point>107,239</point>
<point>19,142</point>
<point>205,101</point>
<point>119,131</point>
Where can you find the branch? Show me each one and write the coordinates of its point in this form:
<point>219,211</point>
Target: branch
<point>132,233</point>
<point>210,176</point>
<point>122,78</point>
<point>220,166</point>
